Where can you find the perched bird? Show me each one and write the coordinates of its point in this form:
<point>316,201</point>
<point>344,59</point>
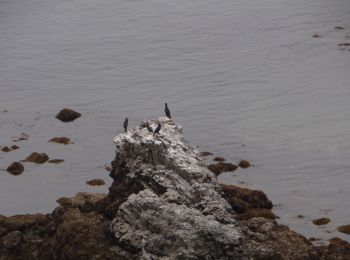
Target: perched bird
<point>126,124</point>
<point>149,128</point>
<point>157,129</point>
<point>167,111</point>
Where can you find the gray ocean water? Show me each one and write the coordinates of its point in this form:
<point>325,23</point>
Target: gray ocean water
<point>246,79</point>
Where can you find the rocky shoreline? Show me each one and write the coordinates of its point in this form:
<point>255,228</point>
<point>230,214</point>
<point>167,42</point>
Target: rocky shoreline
<point>164,203</point>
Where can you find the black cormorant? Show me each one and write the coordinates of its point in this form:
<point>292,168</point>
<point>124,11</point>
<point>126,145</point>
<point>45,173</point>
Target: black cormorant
<point>167,111</point>
<point>157,129</point>
<point>126,124</point>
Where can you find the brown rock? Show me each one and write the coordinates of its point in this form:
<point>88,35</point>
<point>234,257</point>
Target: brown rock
<point>321,221</point>
<point>316,35</point>
<point>14,147</point>
<point>60,140</point>
<point>300,216</point>
<point>247,203</point>
<point>96,182</point>
<point>6,149</point>
<point>344,229</point>
<point>22,137</point>
<point>56,161</point>
<point>336,249</point>
<point>344,44</point>
<point>205,153</point>
<point>16,168</point>
<point>219,159</point>
<point>256,213</point>
<point>244,164</point>
<point>67,115</point>
<point>222,167</point>
<point>37,157</point>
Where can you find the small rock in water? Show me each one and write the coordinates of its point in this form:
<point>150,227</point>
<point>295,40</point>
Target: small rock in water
<point>67,115</point>
<point>14,147</point>
<point>222,167</point>
<point>205,153</point>
<point>244,164</point>
<point>37,158</point>
<point>6,149</point>
<point>22,137</point>
<point>344,229</point>
<point>219,159</point>
<point>344,44</point>
<point>321,221</point>
<point>300,216</point>
<point>108,168</point>
<point>316,35</point>
<point>60,140</point>
<point>56,161</point>
<point>16,168</point>
<point>96,182</point>
<point>340,28</point>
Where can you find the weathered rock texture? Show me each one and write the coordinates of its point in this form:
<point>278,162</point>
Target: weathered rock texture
<point>164,203</point>
<point>173,207</point>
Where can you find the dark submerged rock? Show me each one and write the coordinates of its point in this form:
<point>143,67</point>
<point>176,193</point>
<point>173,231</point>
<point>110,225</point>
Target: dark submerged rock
<point>6,149</point>
<point>321,221</point>
<point>344,229</point>
<point>16,168</point>
<point>244,164</point>
<point>67,115</point>
<point>37,158</point>
<point>219,159</point>
<point>96,182</point>
<point>60,140</point>
<point>14,147</point>
<point>56,161</point>
<point>205,153</point>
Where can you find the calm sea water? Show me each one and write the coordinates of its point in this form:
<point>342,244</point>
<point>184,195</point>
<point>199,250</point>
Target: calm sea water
<point>233,72</point>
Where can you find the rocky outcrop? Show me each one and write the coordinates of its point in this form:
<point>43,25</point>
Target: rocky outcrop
<point>164,203</point>
<point>173,207</point>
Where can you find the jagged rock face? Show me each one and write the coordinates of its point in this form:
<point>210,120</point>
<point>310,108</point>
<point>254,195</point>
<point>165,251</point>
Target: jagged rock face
<point>171,206</point>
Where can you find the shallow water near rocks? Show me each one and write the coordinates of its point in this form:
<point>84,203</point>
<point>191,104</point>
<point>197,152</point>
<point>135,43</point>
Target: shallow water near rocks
<point>246,80</point>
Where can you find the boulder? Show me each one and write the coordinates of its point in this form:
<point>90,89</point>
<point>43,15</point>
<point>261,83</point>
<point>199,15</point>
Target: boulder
<point>16,168</point>
<point>67,115</point>
<point>37,158</point>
